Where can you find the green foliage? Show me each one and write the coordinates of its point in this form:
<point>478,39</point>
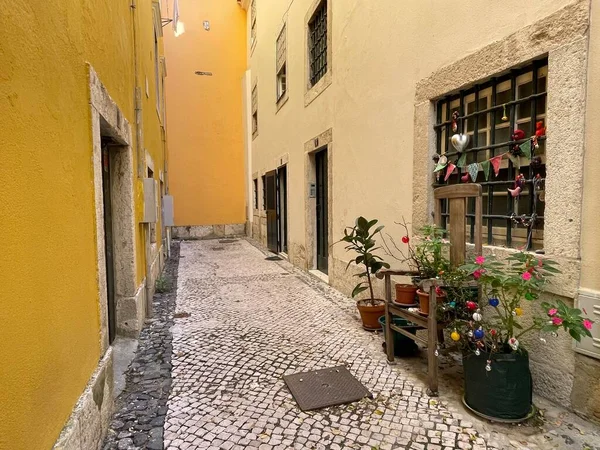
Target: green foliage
<point>163,284</point>
<point>360,239</point>
<point>517,280</point>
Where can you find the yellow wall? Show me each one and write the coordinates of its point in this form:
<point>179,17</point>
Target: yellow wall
<point>206,154</point>
<point>49,292</point>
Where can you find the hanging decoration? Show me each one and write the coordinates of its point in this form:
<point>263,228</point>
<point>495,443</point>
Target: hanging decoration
<point>473,170</point>
<point>460,141</point>
<point>525,149</point>
<point>515,137</point>
<point>449,171</point>
<point>504,116</point>
<point>486,168</point>
<point>494,302</point>
<point>519,185</point>
<point>540,129</point>
<point>455,116</point>
<point>495,162</point>
<point>465,178</point>
<point>462,161</point>
<point>455,336</point>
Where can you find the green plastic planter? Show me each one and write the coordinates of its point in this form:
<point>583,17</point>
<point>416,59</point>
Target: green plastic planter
<point>403,345</point>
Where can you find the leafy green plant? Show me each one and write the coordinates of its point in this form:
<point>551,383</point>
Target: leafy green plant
<point>163,284</point>
<point>360,239</point>
<point>505,286</point>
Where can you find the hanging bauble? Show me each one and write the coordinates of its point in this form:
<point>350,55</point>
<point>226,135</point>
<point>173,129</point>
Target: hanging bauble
<point>452,304</point>
<point>477,317</point>
<point>455,336</point>
<point>477,352</point>
<point>514,343</point>
<point>494,302</point>
<point>460,141</point>
<point>436,353</point>
<point>470,334</point>
<point>493,332</point>
<point>488,365</point>
<point>472,306</point>
<point>478,333</point>
<point>504,116</point>
<point>519,311</point>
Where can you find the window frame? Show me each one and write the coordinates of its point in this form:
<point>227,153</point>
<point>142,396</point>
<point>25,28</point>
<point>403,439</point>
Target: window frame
<point>255,192</point>
<point>314,90</point>
<point>317,21</point>
<point>460,101</point>
<point>254,98</point>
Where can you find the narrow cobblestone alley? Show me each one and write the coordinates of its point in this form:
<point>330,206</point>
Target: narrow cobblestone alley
<point>252,321</point>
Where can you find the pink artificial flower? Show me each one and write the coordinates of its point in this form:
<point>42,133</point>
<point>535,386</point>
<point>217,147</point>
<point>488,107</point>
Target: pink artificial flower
<point>587,324</point>
<point>526,276</point>
<point>477,274</point>
<point>552,311</point>
<point>557,321</point>
<point>480,260</point>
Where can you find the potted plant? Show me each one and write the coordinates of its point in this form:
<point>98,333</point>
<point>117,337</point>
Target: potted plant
<point>498,382</point>
<point>360,239</point>
<point>427,258</point>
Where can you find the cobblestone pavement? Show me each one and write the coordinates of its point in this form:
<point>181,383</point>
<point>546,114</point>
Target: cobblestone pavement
<point>141,408</point>
<point>253,321</point>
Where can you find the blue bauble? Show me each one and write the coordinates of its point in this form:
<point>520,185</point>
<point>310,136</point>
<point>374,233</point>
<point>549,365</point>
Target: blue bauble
<point>494,302</point>
<point>452,304</point>
<point>478,334</point>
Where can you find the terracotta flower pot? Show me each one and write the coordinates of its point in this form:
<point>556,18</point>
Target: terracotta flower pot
<point>424,301</point>
<point>405,294</point>
<point>370,314</point>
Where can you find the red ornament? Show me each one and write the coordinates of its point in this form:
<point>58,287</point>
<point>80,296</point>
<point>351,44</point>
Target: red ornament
<point>493,332</point>
<point>465,178</point>
<point>540,129</point>
<point>518,135</point>
<point>405,239</point>
<point>471,305</point>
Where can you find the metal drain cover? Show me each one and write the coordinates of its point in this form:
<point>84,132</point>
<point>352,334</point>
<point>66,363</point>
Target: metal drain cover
<point>327,387</point>
<point>273,258</point>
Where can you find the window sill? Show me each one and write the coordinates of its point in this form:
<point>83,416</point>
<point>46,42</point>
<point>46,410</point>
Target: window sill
<point>313,92</point>
<point>282,101</point>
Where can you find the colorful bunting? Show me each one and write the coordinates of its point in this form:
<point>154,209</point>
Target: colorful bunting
<point>462,161</point>
<point>473,170</point>
<point>495,161</point>
<point>526,148</point>
<point>515,160</point>
<point>486,167</point>
<point>439,167</point>
<point>449,171</point>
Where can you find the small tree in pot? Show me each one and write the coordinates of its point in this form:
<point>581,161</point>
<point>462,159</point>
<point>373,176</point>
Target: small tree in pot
<point>360,239</point>
<point>498,382</point>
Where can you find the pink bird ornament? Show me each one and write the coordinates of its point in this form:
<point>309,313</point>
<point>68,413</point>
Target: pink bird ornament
<point>515,192</point>
<point>465,178</point>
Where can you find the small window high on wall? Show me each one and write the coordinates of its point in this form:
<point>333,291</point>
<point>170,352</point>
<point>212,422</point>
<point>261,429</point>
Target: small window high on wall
<point>499,126</point>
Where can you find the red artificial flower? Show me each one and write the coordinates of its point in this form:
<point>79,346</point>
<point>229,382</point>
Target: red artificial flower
<point>405,239</point>
<point>477,274</point>
<point>587,324</point>
<point>557,321</point>
<point>526,276</point>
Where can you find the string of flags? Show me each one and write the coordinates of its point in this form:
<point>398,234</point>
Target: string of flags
<point>460,142</point>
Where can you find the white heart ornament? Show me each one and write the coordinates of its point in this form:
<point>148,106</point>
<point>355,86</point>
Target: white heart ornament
<point>460,141</point>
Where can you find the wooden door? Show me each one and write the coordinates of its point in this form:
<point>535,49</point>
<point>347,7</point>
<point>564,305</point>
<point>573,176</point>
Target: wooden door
<point>108,243</point>
<point>271,209</point>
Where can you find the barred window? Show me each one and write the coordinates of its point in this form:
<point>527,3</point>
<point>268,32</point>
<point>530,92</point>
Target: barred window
<point>281,64</point>
<point>317,43</point>
<point>491,114</point>
<point>252,23</point>
<point>255,111</point>
<point>255,183</point>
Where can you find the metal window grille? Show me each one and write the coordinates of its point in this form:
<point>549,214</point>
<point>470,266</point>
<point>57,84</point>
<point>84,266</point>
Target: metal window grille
<point>255,181</point>
<point>264,192</point>
<point>317,32</point>
<point>255,111</point>
<point>253,22</point>
<point>489,113</point>
<point>281,65</point>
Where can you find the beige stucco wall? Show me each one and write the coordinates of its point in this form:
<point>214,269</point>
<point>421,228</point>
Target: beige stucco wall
<point>379,112</point>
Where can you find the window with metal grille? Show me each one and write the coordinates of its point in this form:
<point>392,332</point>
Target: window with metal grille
<point>255,111</point>
<point>281,66</point>
<point>252,23</point>
<point>489,113</point>
<point>264,192</point>
<point>255,182</point>
<point>317,43</point>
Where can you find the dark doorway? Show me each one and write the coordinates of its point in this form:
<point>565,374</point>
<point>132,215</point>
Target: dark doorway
<point>271,209</point>
<point>322,206</point>
<point>282,208</point>
<point>108,241</point>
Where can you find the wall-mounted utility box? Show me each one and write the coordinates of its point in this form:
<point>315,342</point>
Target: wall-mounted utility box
<point>150,201</point>
<point>167,210</point>
<point>589,302</point>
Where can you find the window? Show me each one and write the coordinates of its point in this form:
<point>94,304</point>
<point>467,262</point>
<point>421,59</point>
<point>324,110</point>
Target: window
<point>255,200</point>
<point>317,43</point>
<point>254,111</point>
<point>152,226</point>
<point>281,83</point>
<point>281,65</point>
<point>489,114</point>
<point>264,188</point>
<point>252,23</point>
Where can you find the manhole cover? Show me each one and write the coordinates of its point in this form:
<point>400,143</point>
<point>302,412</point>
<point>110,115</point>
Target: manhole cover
<point>227,241</point>
<point>218,248</point>
<point>327,387</point>
<point>273,258</point>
